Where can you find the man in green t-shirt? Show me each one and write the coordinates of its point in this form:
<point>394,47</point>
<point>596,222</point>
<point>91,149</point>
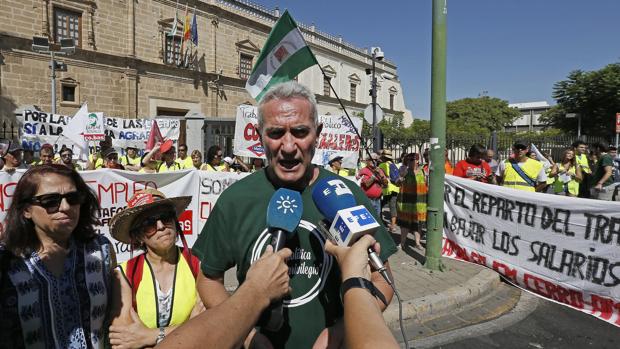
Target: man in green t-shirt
<point>603,181</point>
<point>236,231</point>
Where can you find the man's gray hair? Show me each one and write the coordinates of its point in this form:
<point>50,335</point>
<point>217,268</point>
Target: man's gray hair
<point>288,90</point>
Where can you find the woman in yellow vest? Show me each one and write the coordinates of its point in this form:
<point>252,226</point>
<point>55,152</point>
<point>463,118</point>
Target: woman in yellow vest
<point>214,158</point>
<point>569,175</point>
<point>155,291</point>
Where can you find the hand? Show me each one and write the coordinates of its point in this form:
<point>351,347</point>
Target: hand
<point>598,187</point>
<point>269,275</point>
<point>133,335</point>
<point>353,261</point>
<point>331,337</point>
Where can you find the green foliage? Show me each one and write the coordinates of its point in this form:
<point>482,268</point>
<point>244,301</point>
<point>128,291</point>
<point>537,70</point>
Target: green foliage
<point>475,115</point>
<point>595,95</point>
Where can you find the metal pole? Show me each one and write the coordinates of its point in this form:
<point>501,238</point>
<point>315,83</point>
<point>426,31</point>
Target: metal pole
<point>53,76</point>
<point>438,139</point>
<point>578,125</point>
<point>616,141</point>
<point>375,139</point>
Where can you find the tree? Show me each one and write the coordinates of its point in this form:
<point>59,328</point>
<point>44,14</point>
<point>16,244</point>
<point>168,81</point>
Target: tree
<point>471,115</point>
<point>595,95</point>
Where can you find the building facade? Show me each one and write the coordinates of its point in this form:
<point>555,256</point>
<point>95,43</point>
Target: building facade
<point>129,62</point>
<point>530,115</point>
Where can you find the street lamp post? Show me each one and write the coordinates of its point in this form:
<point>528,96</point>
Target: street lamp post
<point>377,55</point>
<point>42,45</point>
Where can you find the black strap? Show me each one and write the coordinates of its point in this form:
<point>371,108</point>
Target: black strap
<point>361,283</point>
<point>525,177</point>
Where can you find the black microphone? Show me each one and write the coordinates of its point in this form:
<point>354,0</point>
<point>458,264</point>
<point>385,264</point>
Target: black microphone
<point>283,217</point>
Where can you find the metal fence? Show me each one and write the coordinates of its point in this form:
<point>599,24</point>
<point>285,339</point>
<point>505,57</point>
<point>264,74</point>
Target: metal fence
<point>8,130</point>
<point>500,143</point>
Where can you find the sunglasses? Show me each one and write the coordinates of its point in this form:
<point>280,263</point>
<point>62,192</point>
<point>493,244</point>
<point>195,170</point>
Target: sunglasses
<point>51,202</point>
<point>148,225</point>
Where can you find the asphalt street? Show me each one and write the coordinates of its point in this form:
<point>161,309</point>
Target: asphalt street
<point>548,326</point>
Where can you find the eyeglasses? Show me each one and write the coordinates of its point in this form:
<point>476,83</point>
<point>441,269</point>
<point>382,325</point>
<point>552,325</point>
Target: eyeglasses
<point>148,225</point>
<point>51,202</point>
<point>67,155</point>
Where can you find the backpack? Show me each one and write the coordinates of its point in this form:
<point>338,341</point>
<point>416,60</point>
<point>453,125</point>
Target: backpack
<point>393,173</point>
<point>135,268</point>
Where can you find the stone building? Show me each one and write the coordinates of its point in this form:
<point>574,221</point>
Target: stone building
<point>126,63</point>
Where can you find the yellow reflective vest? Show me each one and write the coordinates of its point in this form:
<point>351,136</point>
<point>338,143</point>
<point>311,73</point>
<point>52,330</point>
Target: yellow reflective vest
<point>183,294</point>
<point>582,160</point>
<point>391,188</point>
<point>186,163</point>
<point>572,186</point>
<point>512,179</point>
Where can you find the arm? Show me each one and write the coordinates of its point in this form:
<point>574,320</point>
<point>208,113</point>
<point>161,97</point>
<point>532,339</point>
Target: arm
<point>131,167</point>
<point>578,173</point>
<point>242,164</point>
<point>606,175</point>
<point>147,158</point>
<point>225,325</point>
<point>90,165</point>
<point>363,323</point>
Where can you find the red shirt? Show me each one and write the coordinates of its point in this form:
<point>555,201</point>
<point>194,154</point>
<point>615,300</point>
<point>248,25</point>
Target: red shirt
<point>480,172</point>
<point>374,191</point>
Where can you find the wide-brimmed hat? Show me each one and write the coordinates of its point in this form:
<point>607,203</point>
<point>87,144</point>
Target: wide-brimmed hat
<point>373,156</point>
<point>334,157</point>
<point>140,202</point>
<point>386,153</point>
<point>14,146</point>
<point>108,152</point>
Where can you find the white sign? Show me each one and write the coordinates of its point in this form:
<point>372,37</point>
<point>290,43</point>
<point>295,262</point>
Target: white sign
<point>561,248</point>
<point>338,136</point>
<point>95,130</point>
<point>247,141</point>
<point>368,113</point>
<point>39,128</point>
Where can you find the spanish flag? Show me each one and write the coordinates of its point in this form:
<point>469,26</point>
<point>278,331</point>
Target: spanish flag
<point>186,26</point>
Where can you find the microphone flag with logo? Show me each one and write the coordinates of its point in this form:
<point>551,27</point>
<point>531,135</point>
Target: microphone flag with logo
<point>283,216</point>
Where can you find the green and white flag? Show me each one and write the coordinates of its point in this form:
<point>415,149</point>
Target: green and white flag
<point>283,57</point>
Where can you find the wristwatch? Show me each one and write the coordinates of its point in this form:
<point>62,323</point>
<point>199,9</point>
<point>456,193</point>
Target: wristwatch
<point>161,335</point>
<point>358,282</point>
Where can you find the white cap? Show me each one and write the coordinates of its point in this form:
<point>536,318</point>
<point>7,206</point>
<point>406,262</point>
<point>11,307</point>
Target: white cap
<point>228,160</point>
<point>333,157</point>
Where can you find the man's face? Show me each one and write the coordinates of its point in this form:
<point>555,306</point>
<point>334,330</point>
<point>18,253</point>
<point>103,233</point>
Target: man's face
<point>13,159</point>
<point>168,156</point>
<point>518,152</point>
<point>131,152</point>
<point>289,136</point>
<point>47,156</point>
<point>581,149</point>
<point>66,157</point>
<point>613,153</point>
<point>182,152</point>
<point>337,164</point>
<point>489,155</point>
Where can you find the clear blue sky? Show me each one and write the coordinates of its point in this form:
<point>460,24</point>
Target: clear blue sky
<point>514,49</point>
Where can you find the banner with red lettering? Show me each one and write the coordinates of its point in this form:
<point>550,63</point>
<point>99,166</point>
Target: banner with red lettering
<point>560,248</point>
<point>337,136</point>
<point>114,188</point>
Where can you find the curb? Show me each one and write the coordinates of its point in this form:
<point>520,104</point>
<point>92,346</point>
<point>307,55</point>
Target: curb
<point>433,305</point>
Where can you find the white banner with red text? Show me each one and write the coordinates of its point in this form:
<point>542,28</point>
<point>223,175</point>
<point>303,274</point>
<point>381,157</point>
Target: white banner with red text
<point>560,248</point>
<point>337,136</point>
<point>114,188</point>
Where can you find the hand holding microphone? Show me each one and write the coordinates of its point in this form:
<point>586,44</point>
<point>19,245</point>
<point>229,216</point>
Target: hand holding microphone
<point>353,261</point>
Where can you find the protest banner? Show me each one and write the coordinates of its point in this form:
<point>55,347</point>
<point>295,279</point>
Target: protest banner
<point>38,128</point>
<point>338,136</point>
<point>560,248</point>
<point>113,188</point>
<point>95,130</point>
<point>247,141</point>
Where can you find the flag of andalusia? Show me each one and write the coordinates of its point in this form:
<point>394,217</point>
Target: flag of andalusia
<point>284,55</point>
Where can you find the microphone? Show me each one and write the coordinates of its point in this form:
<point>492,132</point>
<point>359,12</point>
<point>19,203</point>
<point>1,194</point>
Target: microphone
<point>283,217</point>
<point>349,221</point>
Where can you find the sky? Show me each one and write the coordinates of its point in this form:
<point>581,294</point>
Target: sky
<point>510,49</point>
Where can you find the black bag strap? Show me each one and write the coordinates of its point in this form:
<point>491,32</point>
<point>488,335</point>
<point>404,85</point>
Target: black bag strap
<point>525,177</point>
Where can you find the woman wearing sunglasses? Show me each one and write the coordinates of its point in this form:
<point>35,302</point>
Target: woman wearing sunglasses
<point>155,291</point>
<point>55,270</point>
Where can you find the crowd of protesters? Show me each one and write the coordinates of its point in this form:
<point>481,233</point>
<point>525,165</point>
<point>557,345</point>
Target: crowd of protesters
<point>163,157</point>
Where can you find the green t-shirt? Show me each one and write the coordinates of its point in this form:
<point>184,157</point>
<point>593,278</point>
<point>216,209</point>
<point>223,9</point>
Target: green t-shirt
<point>604,161</point>
<point>236,234</point>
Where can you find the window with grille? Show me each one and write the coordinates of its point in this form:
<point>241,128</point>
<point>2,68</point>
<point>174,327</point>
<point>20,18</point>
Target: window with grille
<point>245,65</point>
<point>391,101</point>
<point>326,88</point>
<point>353,92</point>
<point>68,93</point>
<point>67,24</point>
<point>173,50</point>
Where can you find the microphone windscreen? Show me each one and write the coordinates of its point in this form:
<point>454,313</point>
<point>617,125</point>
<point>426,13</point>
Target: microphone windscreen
<point>284,210</point>
<point>331,195</point>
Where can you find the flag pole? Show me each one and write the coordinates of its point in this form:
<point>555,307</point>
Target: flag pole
<point>357,132</point>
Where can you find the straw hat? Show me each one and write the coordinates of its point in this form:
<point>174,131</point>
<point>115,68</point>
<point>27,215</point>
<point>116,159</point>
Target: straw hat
<point>142,201</point>
<point>386,153</point>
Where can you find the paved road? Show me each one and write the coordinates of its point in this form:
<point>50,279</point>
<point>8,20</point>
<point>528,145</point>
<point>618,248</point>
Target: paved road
<point>548,326</point>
